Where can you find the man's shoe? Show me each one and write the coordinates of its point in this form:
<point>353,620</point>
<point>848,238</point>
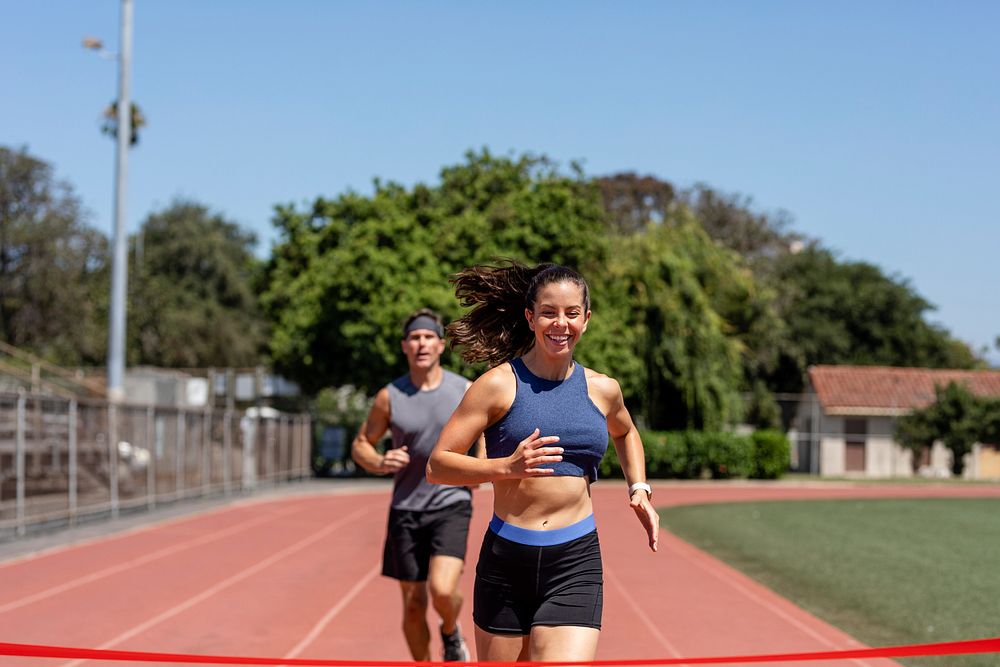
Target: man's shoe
<point>455,649</point>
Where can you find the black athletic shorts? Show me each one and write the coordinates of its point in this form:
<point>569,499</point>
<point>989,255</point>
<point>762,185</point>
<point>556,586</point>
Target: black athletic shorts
<point>413,537</point>
<point>522,585</point>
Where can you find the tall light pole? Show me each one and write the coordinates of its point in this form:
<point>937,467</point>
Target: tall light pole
<point>119,257</point>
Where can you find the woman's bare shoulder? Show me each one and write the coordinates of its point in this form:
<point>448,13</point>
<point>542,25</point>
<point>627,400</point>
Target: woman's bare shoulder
<point>492,393</point>
<point>497,377</point>
<point>497,382</point>
<point>603,385</point>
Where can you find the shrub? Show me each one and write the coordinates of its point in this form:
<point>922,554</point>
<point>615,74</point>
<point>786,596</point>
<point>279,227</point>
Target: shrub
<point>729,455</point>
<point>665,454</point>
<point>689,455</point>
<point>695,452</point>
<point>771,452</point>
<point>609,466</point>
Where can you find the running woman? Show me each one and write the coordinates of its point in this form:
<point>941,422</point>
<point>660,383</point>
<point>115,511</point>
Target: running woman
<point>539,581</point>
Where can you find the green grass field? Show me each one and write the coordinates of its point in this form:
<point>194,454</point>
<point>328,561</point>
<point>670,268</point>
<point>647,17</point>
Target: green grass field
<point>882,481</point>
<point>885,571</point>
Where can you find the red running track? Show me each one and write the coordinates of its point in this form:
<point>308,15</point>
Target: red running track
<point>298,577</point>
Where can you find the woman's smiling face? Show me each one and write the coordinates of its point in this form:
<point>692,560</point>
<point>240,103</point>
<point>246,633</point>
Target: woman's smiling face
<point>559,317</point>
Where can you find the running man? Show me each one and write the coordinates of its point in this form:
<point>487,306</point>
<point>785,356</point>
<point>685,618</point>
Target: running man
<point>428,523</point>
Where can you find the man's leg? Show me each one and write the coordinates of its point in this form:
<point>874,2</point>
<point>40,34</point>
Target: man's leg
<point>448,536</point>
<point>418,635</point>
<point>442,580</point>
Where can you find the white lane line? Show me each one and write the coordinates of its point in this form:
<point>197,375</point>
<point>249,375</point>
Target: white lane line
<point>226,583</point>
<point>142,560</point>
<point>701,559</point>
<point>332,613</point>
<point>643,616</point>
<point>128,532</point>
<point>193,515</point>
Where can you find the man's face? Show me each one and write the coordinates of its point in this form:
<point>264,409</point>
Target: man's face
<point>423,349</point>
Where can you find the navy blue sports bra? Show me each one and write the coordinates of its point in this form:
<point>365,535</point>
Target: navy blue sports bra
<point>555,407</point>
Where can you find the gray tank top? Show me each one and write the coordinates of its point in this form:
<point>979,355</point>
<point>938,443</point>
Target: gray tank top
<point>416,420</point>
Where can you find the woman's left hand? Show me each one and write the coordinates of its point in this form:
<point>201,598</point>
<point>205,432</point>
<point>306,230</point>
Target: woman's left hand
<point>648,517</point>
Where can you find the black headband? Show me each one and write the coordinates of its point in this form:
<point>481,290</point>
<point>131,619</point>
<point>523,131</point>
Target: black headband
<point>424,322</point>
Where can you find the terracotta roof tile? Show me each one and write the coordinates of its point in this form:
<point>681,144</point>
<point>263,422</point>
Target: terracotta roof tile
<point>891,388</point>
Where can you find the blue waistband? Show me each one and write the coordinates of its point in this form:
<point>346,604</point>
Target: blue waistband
<point>542,538</point>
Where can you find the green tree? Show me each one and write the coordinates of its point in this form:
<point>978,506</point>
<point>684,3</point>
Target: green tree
<point>689,368</point>
<point>723,260</point>
<point>852,313</point>
<point>632,202</point>
<point>671,307</point>
<point>762,410</point>
<point>53,268</point>
<point>803,307</point>
<point>740,286</point>
<point>192,292</point>
<point>990,433</point>
<point>731,220</point>
<point>349,270</point>
<point>957,418</point>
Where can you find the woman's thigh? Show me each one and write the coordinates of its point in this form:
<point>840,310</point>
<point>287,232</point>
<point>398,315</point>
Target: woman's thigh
<point>563,642</point>
<point>500,648</point>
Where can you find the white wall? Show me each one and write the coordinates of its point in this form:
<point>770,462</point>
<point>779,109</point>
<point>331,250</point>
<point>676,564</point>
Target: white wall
<point>832,457</point>
<point>883,456</point>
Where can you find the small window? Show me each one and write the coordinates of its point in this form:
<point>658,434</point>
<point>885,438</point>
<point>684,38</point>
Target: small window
<point>856,427</point>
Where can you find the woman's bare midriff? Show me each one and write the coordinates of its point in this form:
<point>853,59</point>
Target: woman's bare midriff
<point>544,503</point>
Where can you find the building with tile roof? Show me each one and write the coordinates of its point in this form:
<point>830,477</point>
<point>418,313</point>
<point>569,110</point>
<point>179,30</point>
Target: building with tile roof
<point>846,423</point>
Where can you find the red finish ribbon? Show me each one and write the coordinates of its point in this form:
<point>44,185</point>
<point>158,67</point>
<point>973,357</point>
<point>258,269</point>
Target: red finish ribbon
<point>990,645</point>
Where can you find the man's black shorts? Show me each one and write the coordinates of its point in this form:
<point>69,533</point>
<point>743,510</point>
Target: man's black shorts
<point>413,537</point>
<point>519,585</point>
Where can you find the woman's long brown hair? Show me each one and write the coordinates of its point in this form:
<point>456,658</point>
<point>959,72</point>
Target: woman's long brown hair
<point>495,330</point>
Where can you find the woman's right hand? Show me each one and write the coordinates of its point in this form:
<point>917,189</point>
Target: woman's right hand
<point>532,452</point>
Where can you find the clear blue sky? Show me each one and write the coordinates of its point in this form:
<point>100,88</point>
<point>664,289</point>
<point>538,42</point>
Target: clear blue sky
<point>876,125</point>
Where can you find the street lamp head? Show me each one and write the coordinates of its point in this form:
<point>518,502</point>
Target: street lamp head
<point>97,44</point>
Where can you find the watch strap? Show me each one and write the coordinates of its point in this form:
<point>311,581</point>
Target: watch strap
<point>640,485</point>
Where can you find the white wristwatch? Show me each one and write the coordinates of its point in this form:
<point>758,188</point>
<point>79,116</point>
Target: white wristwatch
<point>640,485</point>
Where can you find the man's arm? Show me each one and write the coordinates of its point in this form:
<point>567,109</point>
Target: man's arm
<point>363,448</point>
